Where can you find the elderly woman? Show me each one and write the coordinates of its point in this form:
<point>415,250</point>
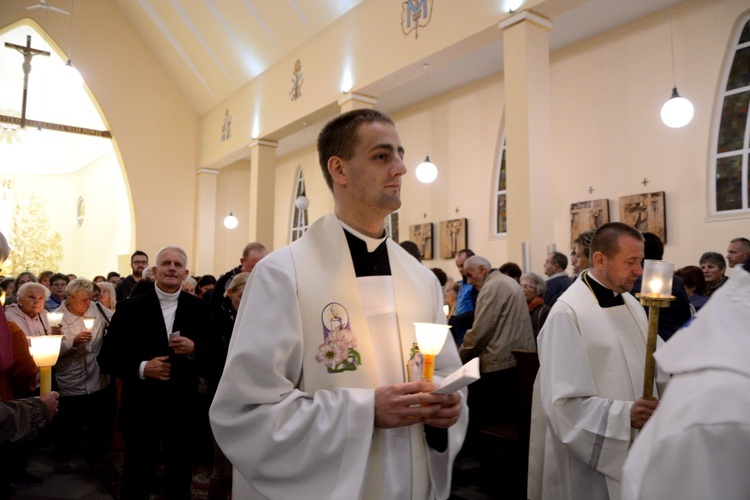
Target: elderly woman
<point>85,399</point>
<point>29,313</point>
<point>713,266</point>
<point>533,289</point>
<point>107,295</point>
<point>222,325</point>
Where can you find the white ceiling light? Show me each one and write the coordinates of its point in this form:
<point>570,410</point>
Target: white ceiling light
<point>677,111</point>
<point>230,221</point>
<point>426,171</point>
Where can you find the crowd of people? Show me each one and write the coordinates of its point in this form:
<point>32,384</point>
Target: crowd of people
<point>300,356</point>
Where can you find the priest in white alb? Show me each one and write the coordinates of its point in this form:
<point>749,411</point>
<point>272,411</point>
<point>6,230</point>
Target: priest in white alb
<point>588,403</point>
<point>315,400</point>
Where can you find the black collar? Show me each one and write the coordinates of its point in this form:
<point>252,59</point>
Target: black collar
<point>368,263</point>
<point>605,296</point>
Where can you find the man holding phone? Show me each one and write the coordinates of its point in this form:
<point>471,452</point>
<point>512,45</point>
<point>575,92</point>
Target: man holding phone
<point>155,344</point>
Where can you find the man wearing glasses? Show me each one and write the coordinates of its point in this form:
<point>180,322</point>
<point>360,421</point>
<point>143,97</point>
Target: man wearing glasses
<point>138,262</point>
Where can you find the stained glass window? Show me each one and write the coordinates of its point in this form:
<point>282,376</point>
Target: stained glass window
<point>300,202</point>
<point>730,164</point>
<point>501,213</point>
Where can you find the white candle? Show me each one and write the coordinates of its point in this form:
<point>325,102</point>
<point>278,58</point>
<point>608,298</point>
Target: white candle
<point>88,323</point>
<point>54,318</point>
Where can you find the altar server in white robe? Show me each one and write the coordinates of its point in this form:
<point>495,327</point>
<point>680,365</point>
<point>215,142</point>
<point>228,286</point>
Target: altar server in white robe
<point>697,444</point>
<point>588,401</point>
<point>315,401</point>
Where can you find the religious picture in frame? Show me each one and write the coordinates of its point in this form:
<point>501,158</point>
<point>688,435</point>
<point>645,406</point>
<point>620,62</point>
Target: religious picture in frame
<point>391,225</point>
<point>587,215</point>
<point>646,212</point>
<point>421,234</point>
<point>453,237</point>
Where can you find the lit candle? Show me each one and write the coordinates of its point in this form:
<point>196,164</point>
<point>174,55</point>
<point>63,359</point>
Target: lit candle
<point>657,278</point>
<point>430,338</point>
<point>88,323</point>
<point>447,310</point>
<point>45,349</point>
<point>2,298</point>
<point>54,318</point>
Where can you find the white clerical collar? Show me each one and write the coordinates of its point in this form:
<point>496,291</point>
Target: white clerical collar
<point>372,243</point>
<point>166,297</point>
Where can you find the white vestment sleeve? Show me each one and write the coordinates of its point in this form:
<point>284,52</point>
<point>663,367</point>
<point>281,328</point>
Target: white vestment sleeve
<point>285,442</point>
<point>595,430</point>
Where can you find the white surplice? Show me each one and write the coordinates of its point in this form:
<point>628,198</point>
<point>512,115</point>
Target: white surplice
<point>592,363</point>
<point>697,443</point>
<point>297,427</point>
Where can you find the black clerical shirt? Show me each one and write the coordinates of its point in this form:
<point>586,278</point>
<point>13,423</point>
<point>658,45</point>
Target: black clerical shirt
<point>605,296</point>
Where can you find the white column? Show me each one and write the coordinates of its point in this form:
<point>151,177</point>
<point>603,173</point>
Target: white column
<point>262,189</point>
<point>528,127</point>
<point>205,222</point>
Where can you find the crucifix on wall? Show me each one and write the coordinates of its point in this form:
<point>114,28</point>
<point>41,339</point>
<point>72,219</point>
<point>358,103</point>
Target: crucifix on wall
<point>28,53</point>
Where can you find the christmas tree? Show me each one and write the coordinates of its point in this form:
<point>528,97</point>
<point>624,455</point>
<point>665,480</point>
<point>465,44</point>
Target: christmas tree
<point>35,247</point>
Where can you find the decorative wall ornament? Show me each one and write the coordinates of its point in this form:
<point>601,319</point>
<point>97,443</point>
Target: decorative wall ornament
<point>226,127</point>
<point>646,212</point>
<point>587,215</point>
<point>453,237</point>
<point>415,14</point>
<point>296,91</point>
<point>36,247</point>
<point>421,234</point>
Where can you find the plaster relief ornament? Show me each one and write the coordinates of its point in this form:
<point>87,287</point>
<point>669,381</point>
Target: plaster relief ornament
<point>415,14</point>
<point>226,127</point>
<point>296,91</point>
<point>337,352</point>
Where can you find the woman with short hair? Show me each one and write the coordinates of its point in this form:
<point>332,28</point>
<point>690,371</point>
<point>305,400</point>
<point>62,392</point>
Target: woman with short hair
<point>713,266</point>
<point>84,398</point>
<point>534,288</point>
<point>28,313</point>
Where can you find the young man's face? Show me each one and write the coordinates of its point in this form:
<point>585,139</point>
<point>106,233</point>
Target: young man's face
<point>373,175</point>
<point>138,264</point>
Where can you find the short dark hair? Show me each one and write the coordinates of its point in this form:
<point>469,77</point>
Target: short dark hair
<point>137,253</point>
<point>560,260</point>
<point>206,279</point>
<point>466,251</point>
<point>112,273</point>
<point>714,258</point>
<point>653,248</point>
<point>412,248</point>
<point>340,137</point>
<point>511,269</point>
<point>59,276</point>
<point>693,277</point>
<point>606,238</point>
<point>441,276</point>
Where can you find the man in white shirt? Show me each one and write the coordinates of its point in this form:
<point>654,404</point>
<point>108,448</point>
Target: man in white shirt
<point>314,401</point>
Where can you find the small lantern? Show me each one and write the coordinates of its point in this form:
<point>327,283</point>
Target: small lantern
<point>657,278</point>
<point>45,349</point>
<point>430,338</point>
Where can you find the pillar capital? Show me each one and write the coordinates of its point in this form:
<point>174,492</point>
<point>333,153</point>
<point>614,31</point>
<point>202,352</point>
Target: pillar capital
<point>526,16</point>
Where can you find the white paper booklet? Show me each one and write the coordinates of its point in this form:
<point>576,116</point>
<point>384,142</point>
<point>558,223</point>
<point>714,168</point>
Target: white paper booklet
<point>460,378</point>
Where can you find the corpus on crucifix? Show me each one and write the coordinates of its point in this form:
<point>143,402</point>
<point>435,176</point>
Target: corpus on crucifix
<point>29,52</point>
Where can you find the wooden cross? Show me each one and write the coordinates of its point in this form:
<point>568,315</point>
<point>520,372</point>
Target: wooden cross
<point>591,189</point>
<point>644,181</point>
<point>28,53</point>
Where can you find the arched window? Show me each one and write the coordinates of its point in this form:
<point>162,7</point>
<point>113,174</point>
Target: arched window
<point>501,201</point>
<point>299,207</point>
<point>731,186</point>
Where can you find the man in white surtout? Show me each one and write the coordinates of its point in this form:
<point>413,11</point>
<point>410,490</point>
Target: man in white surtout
<point>314,400</point>
<point>592,352</point>
<point>697,445</point>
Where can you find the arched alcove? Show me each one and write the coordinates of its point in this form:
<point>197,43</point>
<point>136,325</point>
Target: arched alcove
<point>65,202</point>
